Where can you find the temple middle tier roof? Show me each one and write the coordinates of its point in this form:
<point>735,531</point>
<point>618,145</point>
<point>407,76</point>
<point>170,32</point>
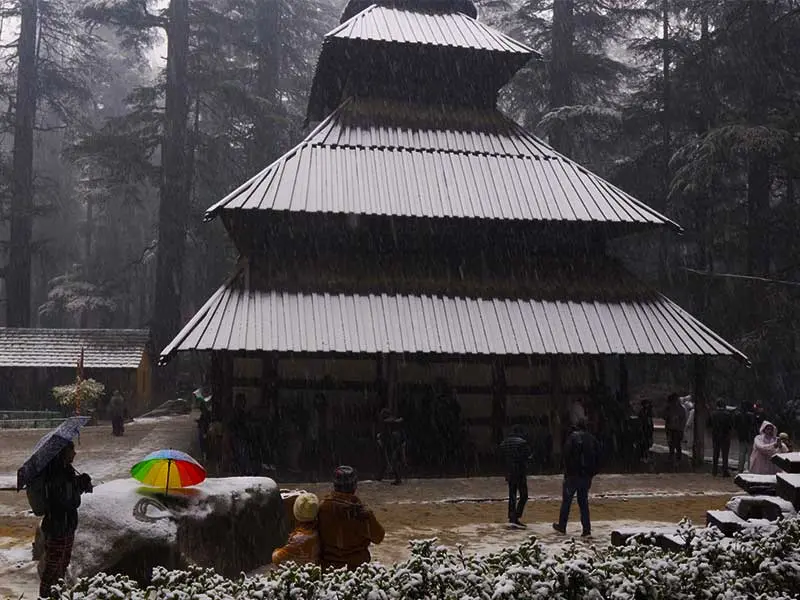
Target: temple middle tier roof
<point>386,158</point>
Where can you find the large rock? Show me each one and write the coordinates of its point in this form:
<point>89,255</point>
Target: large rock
<point>231,524</point>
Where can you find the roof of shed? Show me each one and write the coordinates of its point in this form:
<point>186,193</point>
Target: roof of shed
<point>103,348</point>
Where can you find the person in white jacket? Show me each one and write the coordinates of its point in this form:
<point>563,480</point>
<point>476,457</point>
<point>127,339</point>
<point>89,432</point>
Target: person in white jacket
<point>688,431</point>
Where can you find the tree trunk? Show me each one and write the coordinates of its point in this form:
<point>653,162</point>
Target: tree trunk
<point>175,202</point>
<point>18,279</point>
<point>561,92</point>
<point>758,168</point>
<point>265,147</point>
<point>666,143</point>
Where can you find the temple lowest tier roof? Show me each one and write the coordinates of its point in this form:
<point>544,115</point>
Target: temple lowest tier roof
<point>241,317</point>
<point>396,159</point>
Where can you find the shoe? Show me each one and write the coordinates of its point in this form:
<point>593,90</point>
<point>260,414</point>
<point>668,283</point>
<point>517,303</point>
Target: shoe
<point>586,534</point>
<point>396,482</point>
<point>519,524</point>
<point>726,474</point>
<point>559,528</point>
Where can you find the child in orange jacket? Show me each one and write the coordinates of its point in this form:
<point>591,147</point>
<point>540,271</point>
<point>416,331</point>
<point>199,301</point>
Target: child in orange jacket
<point>303,545</point>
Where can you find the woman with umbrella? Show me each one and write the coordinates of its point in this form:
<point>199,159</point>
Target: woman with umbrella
<point>54,491</point>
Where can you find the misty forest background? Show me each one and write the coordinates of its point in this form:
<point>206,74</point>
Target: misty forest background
<point>124,118</point>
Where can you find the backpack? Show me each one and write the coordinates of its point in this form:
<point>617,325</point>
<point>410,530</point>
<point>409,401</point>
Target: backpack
<point>582,460</point>
<point>37,496</point>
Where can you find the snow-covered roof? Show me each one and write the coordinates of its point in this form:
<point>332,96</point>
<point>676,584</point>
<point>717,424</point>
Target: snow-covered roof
<point>103,348</point>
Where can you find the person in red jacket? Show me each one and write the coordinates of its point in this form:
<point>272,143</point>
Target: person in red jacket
<point>346,526</point>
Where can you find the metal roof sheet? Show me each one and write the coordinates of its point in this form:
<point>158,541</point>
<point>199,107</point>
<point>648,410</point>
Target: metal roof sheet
<point>376,158</point>
<point>103,348</point>
<point>451,29</point>
<point>238,318</point>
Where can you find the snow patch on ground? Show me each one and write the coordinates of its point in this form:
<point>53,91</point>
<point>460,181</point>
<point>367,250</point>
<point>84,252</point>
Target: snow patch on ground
<point>13,553</point>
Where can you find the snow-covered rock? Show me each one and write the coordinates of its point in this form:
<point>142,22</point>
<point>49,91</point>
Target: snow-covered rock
<point>788,461</point>
<point>753,483</point>
<point>231,524</point>
<point>758,507</point>
<point>788,487</point>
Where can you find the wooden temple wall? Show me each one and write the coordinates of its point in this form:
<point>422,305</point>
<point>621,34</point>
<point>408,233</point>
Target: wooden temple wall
<point>357,388</point>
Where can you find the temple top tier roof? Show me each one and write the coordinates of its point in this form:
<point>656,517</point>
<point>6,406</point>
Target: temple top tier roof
<point>442,6</point>
<point>420,51</point>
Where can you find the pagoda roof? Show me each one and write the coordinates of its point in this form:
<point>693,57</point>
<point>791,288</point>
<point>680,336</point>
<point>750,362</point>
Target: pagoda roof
<point>401,25</point>
<point>424,51</point>
<point>395,159</point>
<point>243,316</point>
<point>466,7</point>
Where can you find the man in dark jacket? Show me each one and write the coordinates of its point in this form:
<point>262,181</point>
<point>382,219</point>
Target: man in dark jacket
<point>62,488</point>
<point>391,446</point>
<point>721,423</point>
<point>581,463</point>
<point>517,452</point>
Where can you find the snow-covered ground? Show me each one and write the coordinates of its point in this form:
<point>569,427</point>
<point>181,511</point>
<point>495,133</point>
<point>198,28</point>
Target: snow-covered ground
<point>469,512</point>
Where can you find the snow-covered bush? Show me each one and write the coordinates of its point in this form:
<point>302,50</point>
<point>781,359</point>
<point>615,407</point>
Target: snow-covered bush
<point>757,564</point>
<point>88,391</point>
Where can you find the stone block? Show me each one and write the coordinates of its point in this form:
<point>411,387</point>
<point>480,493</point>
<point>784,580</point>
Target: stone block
<point>788,461</point>
<point>788,488</point>
<point>763,485</point>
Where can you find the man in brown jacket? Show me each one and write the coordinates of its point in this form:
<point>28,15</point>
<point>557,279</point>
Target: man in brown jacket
<point>346,526</point>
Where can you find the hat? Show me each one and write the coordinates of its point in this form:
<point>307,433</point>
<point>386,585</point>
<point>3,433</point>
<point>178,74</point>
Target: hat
<point>345,479</point>
<point>306,507</point>
<point>784,436</point>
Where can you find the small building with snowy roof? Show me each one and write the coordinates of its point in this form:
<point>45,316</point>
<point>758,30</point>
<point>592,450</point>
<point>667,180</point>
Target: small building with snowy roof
<point>34,360</point>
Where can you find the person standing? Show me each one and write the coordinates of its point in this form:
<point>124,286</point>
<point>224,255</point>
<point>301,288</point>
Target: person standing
<point>581,464</point>
<point>62,492</point>
<point>721,423</point>
<point>674,423</point>
<point>766,445</point>
<point>647,428</point>
<point>745,432</point>
<point>346,526</point>
<point>517,452</point>
<point>391,446</point>
<point>116,409</point>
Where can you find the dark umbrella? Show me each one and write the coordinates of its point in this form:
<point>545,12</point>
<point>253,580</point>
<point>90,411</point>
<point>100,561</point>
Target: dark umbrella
<point>48,448</point>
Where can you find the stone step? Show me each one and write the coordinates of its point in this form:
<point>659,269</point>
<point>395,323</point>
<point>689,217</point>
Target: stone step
<point>770,508</point>
<point>788,488</point>
<point>726,521</point>
<point>762,485</point>
<point>788,461</point>
<point>663,537</point>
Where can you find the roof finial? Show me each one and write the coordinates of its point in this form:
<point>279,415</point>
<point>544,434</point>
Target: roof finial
<point>464,6</point>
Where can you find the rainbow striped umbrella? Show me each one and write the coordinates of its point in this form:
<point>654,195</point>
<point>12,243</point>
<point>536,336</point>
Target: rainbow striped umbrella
<point>163,468</point>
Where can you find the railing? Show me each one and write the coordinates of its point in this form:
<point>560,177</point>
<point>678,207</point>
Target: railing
<point>30,419</point>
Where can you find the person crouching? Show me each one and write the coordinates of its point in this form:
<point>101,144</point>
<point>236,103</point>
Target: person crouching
<point>303,546</point>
